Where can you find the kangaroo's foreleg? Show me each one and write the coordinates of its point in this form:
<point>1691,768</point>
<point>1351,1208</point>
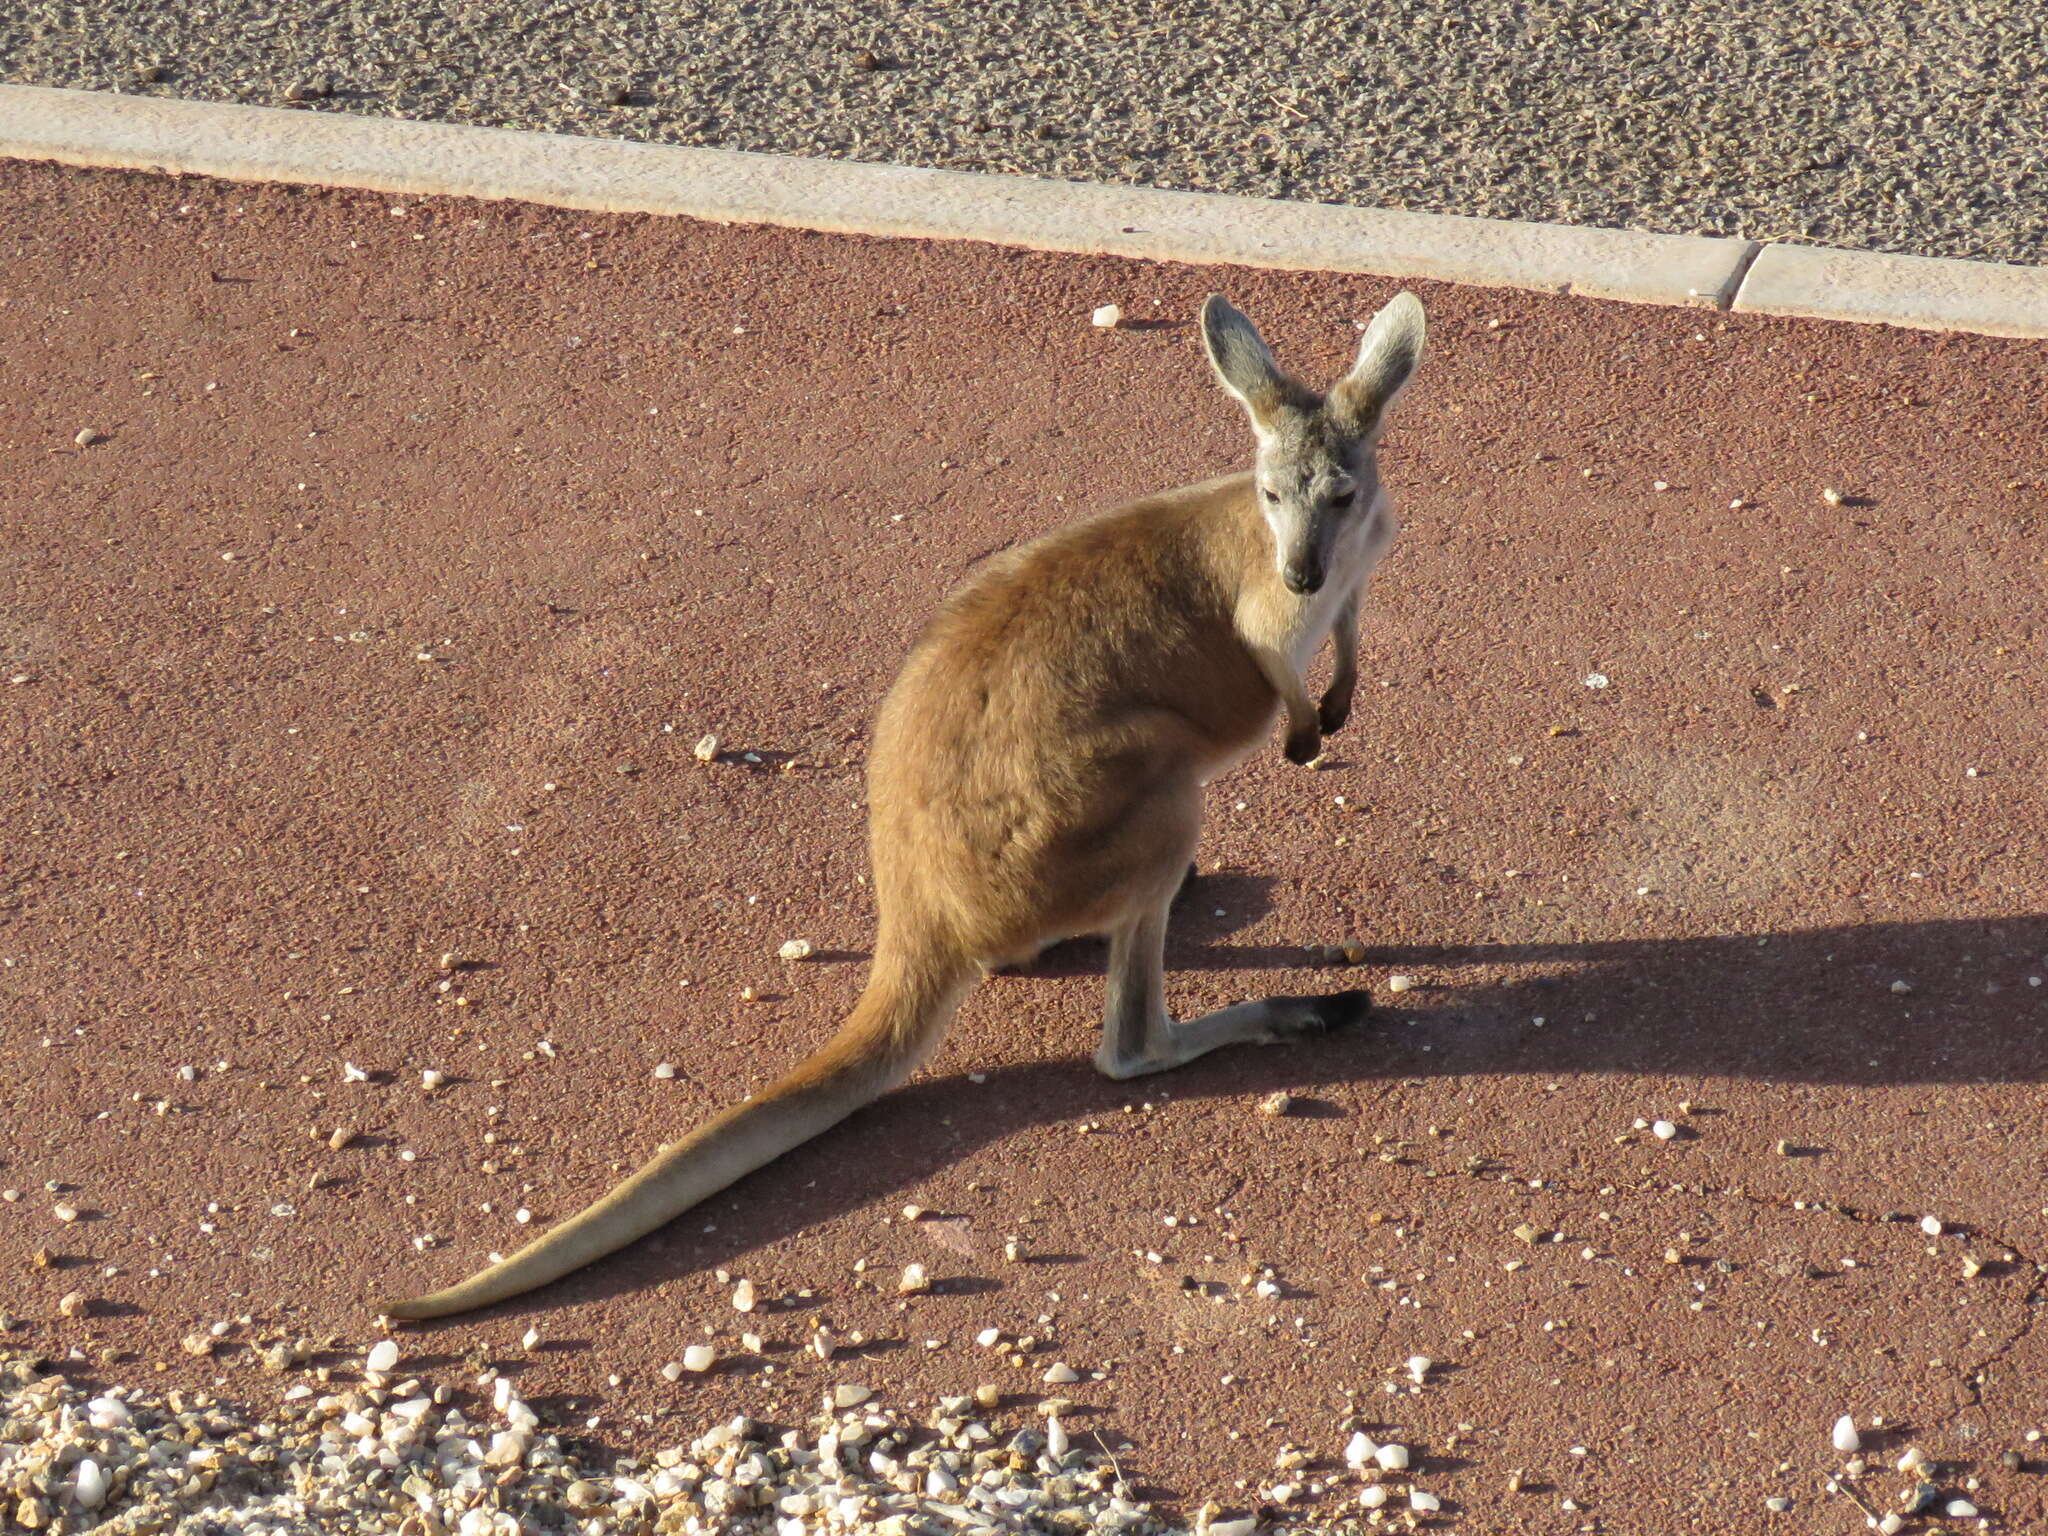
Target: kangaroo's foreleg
<point>1336,706</point>
<point>1304,736</point>
<point>1139,1036</point>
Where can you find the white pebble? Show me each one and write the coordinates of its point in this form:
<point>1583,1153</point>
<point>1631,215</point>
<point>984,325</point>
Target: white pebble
<point>1244,1525</point>
<point>1360,1450</point>
<point>1845,1437</point>
<point>432,1079</point>
<point>1400,983</point>
<point>1831,496</point>
<point>382,1358</point>
<point>915,1281</point>
<point>1107,317</point>
<point>89,1484</point>
<point>1061,1374</point>
<point>664,1070</point>
<point>530,1338</point>
<point>706,748</point>
<point>795,949</point>
<point>1959,1509</point>
<point>1931,1225</point>
<point>743,1297</point>
<point>1428,1503</point>
<point>1392,1458</point>
<point>699,1357</point>
<point>1891,1525</point>
<point>1663,1130</point>
<point>1912,1457</point>
<point>1374,1497</point>
<point>1596,680</point>
<point>1418,1367</point>
<point>1055,1437</point>
<point>849,1394</point>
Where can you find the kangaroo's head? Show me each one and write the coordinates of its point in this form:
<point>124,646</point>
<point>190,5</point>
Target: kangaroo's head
<point>1316,475</point>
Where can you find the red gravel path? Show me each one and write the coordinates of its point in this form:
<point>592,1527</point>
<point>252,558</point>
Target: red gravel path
<point>421,549</point>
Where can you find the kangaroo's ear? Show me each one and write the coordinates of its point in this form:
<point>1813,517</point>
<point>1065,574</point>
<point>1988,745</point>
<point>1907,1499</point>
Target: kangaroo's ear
<point>1244,363</point>
<point>1386,358</point>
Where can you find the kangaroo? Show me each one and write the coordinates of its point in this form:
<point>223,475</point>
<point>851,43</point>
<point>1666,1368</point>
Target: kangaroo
<point>1038,766</point>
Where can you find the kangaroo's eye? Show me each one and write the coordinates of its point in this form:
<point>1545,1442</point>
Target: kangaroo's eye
<point>1344,498</point>
<point>1269,493</point>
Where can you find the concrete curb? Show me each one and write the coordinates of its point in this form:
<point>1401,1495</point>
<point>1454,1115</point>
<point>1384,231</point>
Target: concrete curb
<point>105,129</point>
<point>1925,292</point>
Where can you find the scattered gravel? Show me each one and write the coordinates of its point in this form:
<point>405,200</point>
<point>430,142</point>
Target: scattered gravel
<point>407,1458</point>
<point>1891,126</point>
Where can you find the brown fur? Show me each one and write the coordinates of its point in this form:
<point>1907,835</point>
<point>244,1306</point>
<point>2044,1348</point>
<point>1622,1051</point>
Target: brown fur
<point>1037,773</point>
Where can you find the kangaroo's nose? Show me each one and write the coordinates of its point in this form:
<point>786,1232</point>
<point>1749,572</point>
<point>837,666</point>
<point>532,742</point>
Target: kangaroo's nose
<point>1303,576</point>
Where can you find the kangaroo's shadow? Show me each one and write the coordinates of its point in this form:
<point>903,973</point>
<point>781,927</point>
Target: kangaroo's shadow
<point>1812,1006</point>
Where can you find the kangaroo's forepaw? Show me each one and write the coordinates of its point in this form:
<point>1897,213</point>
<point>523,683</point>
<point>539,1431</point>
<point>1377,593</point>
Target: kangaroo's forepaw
<point>1333,712</point>
<point>1304,746</point>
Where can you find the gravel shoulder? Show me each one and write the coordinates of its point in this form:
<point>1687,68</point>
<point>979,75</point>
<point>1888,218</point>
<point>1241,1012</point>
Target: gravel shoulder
<point>1901,127</point>
<point>410,549</point>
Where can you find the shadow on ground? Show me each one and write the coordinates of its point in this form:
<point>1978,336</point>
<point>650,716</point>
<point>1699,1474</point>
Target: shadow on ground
<point>1810,1006</point>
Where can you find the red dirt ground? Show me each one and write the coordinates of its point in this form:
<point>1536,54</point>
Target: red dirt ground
<point>425,541</point>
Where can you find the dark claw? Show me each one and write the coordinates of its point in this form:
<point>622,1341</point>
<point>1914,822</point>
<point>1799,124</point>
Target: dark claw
<point>1345,1010</point>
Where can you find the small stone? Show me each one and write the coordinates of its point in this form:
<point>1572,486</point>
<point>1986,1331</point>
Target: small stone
<point>341,1136</point>
<point>74,1304</point>
<point>1359,1450</point>
<point>915,1281</point>
<point>1061,1374</point>
<point>1355,953</point>
<point>1911,1458</point>
<point>1663,1130</point>
<point>1276,1104</point>
<point>795,949</point>
<point>305,90</point>
<point>1527,1232</point>
<point>196,1344</point>
<point>1831,496</point>
<point>64,1212</point>
<point>706,749</point>
<point>1959,1509</point>
<point>1890,1525</point>
<point>382,1358</point>
<point>1374,1497</point>
<point>1392,1458</point>
<point>1777,1504</point>
<point>988,1395</point>
<point>743,1297</point>
<point>699,1357</point>
<point>87,436</point>
<point>1972,1266</point>
<point>529,1339</point>
<point>1106,317</point>
<point>1400,983</point>
<point>1418,1368</point>
<point>664,1070</point>
<point>1931,1225</point>
<point>1845,1438</point>
<point>1426,1503</point>
<point>849,1394</point>
<point>432,1079</point>
<point>1902,987</point>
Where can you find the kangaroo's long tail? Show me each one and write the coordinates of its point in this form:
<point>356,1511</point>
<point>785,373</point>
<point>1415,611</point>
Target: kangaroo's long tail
<point>894,1027</point>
